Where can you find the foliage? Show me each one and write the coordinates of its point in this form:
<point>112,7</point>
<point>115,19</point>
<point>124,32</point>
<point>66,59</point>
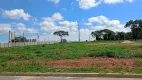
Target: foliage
<point>23,39</point>
<point>135,26</point>
<point>19,39</point>
<point>107,34</point>
<point>61,34</point>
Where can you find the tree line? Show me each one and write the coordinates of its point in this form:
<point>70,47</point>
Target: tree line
<point>106,34</point>
<point>23,39</point>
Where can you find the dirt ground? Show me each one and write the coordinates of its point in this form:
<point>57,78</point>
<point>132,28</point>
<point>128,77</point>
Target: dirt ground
<point>95,62</point>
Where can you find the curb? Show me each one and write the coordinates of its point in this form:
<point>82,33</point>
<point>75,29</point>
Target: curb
<point>109,75</point>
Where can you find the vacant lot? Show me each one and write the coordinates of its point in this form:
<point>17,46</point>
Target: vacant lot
<point>100,56</point>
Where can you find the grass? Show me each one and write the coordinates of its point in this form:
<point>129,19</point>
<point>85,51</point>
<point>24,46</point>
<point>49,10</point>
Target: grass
<point>37,58</point>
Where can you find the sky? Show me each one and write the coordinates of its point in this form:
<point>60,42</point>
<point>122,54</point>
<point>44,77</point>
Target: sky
<point>44,17</point>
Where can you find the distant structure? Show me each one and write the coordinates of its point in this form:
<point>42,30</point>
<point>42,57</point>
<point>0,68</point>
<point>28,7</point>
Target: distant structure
<point>11,36</point>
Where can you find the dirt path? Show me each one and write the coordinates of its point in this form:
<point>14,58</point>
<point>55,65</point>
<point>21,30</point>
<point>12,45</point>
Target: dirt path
<point>96,62</point>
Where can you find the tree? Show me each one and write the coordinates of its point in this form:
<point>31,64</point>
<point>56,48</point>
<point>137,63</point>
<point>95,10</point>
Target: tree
<point>135,26</point>
<point>120,35</point>
<point>19,39</point>
<point>128,35</point>
<point>97,35</point>
<point>108,34</point>
<point>61,34</point>
<point>105,34</point>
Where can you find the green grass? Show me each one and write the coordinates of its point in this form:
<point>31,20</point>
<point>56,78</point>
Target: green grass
<point>40,53</point>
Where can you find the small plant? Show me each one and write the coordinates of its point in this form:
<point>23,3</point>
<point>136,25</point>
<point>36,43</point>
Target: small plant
<point>43,45</point>
<point>38,53</point>
<point>3,64</point>
<point>141,46</point>
<point>139,62</point>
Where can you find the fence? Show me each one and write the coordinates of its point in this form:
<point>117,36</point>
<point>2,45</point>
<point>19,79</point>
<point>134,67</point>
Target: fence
<point>5,45</point>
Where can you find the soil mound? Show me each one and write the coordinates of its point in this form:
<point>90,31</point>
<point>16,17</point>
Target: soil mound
<point>128,42</point>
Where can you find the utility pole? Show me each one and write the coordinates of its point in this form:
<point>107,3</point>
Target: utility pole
<point>78,32</point>
<point>24,38</point>
<point>37,38</point>
<point>9,37</point>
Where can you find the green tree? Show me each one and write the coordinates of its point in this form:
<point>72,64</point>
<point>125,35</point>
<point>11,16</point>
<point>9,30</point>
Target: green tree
<point>61,34</point>
<point>97,35</point>
<point>128,35</point>
<point>105,34</point>
<point>120,35</point>
<point>135,26</point>
<point>20,39</point>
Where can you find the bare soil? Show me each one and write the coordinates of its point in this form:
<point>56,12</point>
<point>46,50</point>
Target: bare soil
<point>95,62</point>
<point>130,42</point>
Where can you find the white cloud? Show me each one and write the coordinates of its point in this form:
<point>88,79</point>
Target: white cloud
<point>54,1</point>
<point>99,19</point>
<point>32,30</point>
<point>5,28</point>
<point>117,1</point>
<point>16,14</point>
<point>105,23</point>
<point>57,16</point>
<point>87,4</point>
<point>70,25</point>
<point>21,27</point>
<point>113,1</point>
<point>51,26</point>
<point>48,26</point>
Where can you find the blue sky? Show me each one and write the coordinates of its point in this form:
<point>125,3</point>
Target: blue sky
<point>46,16</point>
